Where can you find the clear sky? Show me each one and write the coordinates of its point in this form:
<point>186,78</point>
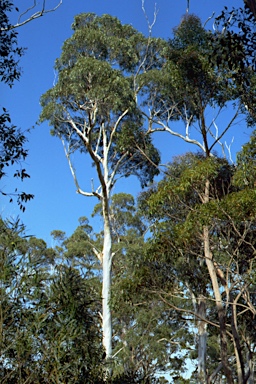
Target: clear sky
<point>56,204</point>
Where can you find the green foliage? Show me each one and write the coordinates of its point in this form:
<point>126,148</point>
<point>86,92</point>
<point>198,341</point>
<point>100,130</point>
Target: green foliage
<point>234,47</point>
<point>106,40</point>
<point>9,51</point>
<point>142,325</point>
<point>49,315</point>
<point>179,213</point>
<point>246,164</point>
<point>93,105</point>
<point>12,140</point>
<point>187,83</point>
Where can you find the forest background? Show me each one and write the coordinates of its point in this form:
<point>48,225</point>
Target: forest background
<point>51,181</point>
<point>184,255</point>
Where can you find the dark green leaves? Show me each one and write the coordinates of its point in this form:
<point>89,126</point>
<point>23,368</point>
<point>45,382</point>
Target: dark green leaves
<point>9,51</point>
<point>12,153</point>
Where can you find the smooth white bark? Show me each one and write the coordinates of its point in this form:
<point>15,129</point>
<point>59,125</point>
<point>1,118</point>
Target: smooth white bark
<point>106,289</point>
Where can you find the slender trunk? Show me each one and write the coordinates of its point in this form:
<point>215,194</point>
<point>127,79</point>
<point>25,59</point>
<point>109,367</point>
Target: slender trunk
<point>202,340</point>
<point>216,290</point>
<point>106,282</point>
<point>251,366</point>
<point>199,305</point>
<point>220,308</point>
<point>237,346</point>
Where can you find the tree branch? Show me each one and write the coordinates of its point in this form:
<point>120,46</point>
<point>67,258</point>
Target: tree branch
<point>36,15</point>
<point>73,173</point>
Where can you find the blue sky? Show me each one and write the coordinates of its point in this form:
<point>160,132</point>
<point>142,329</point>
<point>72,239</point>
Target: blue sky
<point>56,204</point>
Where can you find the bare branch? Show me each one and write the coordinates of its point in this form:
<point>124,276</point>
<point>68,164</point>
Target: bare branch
<point>115,128</point>
<point>166,128</point>
<point>228,147</point>
<point>216,136</point>
<point>98,254</point>
<point>209,18</point>
<point>187,10</point>
<point>36,15</point>
<point>217,140</point>
<point>150,25</point>
<point>73,172</point>
<point>215,372</point>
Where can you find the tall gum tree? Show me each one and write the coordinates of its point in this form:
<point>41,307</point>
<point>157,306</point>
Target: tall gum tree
<point>179,217</point>
<point>141,344</point>
<point>92,109</point>
<point>188,85</point>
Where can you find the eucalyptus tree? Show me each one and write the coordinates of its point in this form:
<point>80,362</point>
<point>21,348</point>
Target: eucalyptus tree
<point>167,206</point>
<point>187,88</point>
<point>92,109</point>
<point>142,326</point>
<point>178,218</point>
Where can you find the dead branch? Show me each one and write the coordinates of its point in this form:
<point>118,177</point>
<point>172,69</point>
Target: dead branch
<point>150,25</point>
<point>43,11</point>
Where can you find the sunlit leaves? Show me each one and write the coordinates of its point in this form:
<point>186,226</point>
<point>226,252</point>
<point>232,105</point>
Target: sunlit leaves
<point>93,105</point>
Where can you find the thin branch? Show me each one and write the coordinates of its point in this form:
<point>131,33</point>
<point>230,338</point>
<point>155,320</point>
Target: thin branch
<point>150,25</point>
<point>187,311</point>
<point>141,65</point>
<point>209,18</point>
<point>174,133</point>
<point>115,127</point>
<point>228,147</point>
<point>73,173</point>
<point>216,136</point>
<point>225,130</point>
<point>215,372</point>
<point>149,160</point>
<point>98,254</point>
<point>115,354</point>
<point>36,15</point>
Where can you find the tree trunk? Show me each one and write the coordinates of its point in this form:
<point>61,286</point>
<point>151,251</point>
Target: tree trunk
<point>202,340</point>
<point>237,346</point>
<point>200,312</point>
<point>106,282</point>
<point>217,295</point>
<point>251,365</point>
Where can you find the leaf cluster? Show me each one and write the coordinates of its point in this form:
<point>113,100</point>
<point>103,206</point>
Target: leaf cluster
<point>12,140</point>
<point>49,321</point>
<point>13,152</point>
<point>9,51</point>
<point>186,83</point>
<point>95,93</point>
<point>234,47</point>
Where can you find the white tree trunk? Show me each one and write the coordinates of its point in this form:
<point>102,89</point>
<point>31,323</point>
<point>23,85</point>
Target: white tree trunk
<point>106,263</point>
<point>106,289</point>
